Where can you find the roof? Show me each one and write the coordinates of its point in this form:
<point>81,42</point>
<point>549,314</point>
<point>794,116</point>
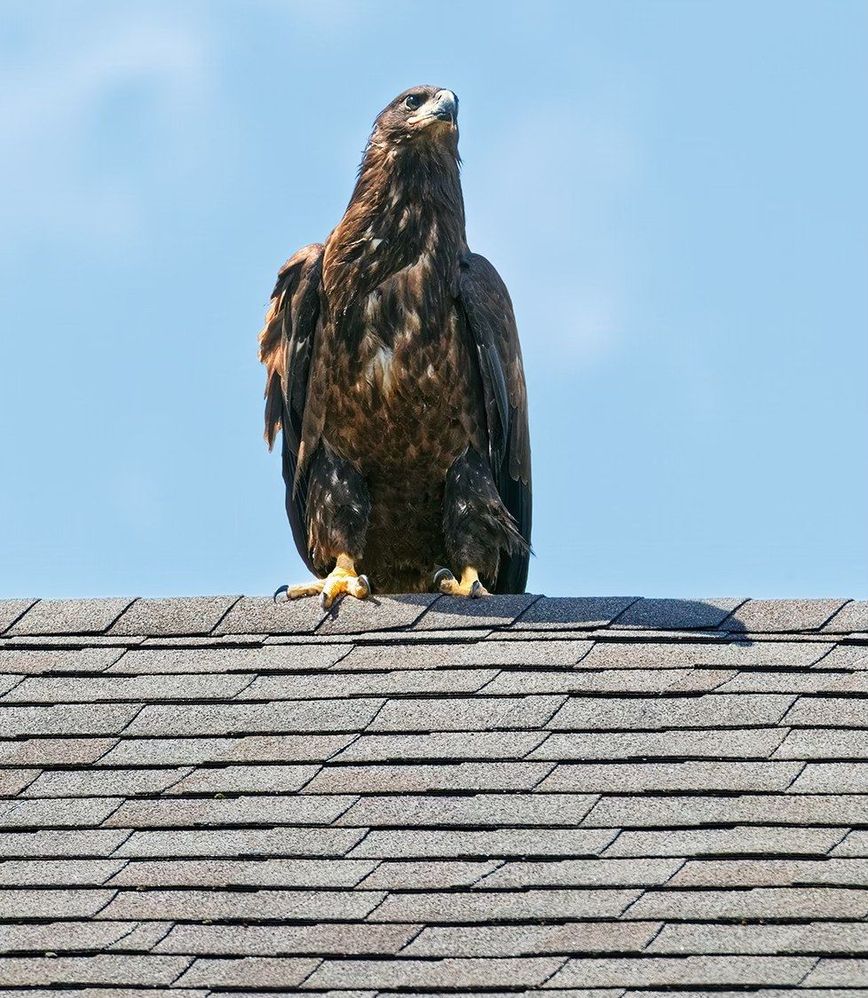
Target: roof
<point>421,795</point>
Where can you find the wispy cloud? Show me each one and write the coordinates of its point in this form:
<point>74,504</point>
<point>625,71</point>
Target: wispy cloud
<point>53,96</point>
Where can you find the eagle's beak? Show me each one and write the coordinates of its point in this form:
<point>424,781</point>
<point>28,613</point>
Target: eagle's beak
<point>443,106</point>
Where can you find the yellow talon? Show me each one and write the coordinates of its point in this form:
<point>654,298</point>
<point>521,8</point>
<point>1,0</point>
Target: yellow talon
<point>342,579</point>
<point>469,585</point>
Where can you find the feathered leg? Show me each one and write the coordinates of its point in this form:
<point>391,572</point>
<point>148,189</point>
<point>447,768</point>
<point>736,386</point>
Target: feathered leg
<point>339,506</point>
<point>476,527</point>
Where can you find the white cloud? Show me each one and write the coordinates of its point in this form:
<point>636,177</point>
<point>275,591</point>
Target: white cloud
<point>52,97</point>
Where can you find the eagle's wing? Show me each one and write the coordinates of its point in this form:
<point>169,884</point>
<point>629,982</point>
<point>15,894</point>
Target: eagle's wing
<point>491,321</point>
<point>285,347</point>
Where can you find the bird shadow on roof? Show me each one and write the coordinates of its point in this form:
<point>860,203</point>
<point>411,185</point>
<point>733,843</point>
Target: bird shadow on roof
<point>716,618</point>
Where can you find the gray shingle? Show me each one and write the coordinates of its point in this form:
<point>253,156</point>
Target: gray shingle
<point>450,612</point>
<point>184,615</point>
<point>795,615</point>
<point>840,712</point>
<point>727,744</point>
<point>37,661</point>
<point>853,616</point>
<point>17,904</point>
<point>442,745</point>
<point>270,940</point>
<point>846,657</point>
<point>518,940</point>
<point>51,751</point>
<point>482,844</point>
<point>251,971</point>
<point>348,684</point>
<point>55,812</point>
<point>70,616</point>
<point>245,779</point>
<point>741,839</point>
<point>57,872</point>
<point>782,682</point>
<point>736,970</point>
<point>757,902</point>
<point>380,613</point>
<point>243,905</point>
<point>32,937</point>
<point>104,783</point>
<point>247,748</point>
<point>101,719</point>
<point>766,809</point>
<point>638,777</point>
<point>510,906</point>
<point>762,652</point>
<point>255,615</point>
<point>824,743</point>
<point>252,810</point>
<point>427,874</point>
<point>450,973</point>
<point>711,710</point>
<point>468,714</point>
<point>855,844</point>
<point>711,937</point>
<point>143,937</point>
<point>544,650</point>
<point>241,842</point>
<point>644,655</point>
<point>67,689</point>
<point>833,778</point>
<point>13,780</point>
<point>582,873</point>
<point>427,778</point>
<point>89,842</point>
<point>514,683</point>
<point>220,660</point>
<point>678,614</point>
<point>838,973</point>
<point>240,872</point>
<point>766,872</point>
<point>480,809</point>
<point>11,610</point>
<point>242,718</point>
<point>572,612</point>
<point>101,969</point>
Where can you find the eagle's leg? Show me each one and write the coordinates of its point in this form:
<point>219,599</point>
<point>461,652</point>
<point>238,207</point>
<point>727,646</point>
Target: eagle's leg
<point>339,506</point>
<point>476,526</point>
<point>342,579</point>
<point>469,585</point>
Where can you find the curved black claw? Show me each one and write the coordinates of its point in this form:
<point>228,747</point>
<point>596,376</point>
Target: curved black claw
<point>277,592</point>
<point>442,575</point>
<point>476,590</point>
<point>324,601</point>
<point>365,583</point>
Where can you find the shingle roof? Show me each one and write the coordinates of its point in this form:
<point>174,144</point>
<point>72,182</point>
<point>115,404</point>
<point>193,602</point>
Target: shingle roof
<point>583,798</point>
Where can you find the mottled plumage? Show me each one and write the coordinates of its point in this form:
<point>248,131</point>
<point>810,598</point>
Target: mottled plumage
<point>395,375</point>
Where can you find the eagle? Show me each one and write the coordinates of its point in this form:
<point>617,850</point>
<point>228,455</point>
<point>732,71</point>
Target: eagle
<point>394,374</point>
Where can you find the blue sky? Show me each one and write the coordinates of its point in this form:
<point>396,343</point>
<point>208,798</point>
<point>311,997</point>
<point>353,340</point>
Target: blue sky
<point>674,193</point>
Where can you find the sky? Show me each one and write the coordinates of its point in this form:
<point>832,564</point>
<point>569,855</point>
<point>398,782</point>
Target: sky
<point>674,192</point>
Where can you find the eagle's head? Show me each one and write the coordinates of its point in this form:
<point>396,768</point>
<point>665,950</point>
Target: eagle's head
<point>420,114</point>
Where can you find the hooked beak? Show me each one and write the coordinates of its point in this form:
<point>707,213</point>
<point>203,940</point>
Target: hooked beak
<point>443,106</point>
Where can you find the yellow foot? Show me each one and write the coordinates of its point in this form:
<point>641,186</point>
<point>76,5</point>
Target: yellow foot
<point>469,585</point>
<point>343,578</point>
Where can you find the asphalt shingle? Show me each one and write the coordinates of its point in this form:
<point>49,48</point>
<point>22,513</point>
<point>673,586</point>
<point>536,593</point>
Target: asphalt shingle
<point>679,614</point>
<point>515,796</point>
<point>69,616</point>
<point>11,610</point>
<point>184,615</point>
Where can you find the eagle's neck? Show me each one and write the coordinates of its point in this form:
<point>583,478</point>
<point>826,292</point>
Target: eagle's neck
<point>407,202</point>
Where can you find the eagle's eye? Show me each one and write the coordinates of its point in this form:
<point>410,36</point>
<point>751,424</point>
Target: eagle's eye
<point>412,102</point>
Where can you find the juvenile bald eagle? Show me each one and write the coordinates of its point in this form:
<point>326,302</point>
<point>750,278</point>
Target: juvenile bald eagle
<point>394,373</point>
